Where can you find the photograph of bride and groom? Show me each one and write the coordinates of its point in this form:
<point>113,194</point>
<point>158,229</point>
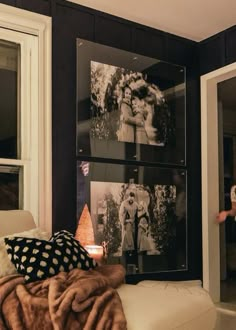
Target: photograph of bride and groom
<point>127,106</point>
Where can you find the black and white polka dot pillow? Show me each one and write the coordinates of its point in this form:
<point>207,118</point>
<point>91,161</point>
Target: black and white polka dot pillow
<point>38,259</point>
<point>66,239</point>
<point>62,234</point>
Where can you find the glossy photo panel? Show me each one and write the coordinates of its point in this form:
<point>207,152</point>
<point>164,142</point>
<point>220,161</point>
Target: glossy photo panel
<point>129,106</point>
<point>138,213</point>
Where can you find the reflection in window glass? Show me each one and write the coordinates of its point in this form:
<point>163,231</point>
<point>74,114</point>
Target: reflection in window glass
<point>9,187</point>
<point>9,58</point>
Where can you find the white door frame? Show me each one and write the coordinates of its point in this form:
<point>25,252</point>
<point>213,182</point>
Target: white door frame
<point>210,177</point>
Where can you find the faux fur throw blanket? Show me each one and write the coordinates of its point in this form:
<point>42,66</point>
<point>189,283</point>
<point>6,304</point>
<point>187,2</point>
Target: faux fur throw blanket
<point>76,300</point>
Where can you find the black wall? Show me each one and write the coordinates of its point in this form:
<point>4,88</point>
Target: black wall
<point>218,50</point>
<point>38,6</point>
<point>70,21</point>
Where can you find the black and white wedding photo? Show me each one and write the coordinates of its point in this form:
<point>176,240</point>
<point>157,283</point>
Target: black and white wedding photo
<point>126,107</point>
<point>129,105</point>
<point>133,218</point>
<point>140,214</point>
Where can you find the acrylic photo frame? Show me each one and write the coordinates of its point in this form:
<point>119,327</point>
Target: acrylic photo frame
<point>129,106</point>
<point>147,235</point>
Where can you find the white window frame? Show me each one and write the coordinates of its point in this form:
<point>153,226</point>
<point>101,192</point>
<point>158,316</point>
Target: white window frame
<point>36,155</point>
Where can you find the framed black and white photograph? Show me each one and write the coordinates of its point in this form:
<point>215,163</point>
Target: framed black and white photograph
<point>124,107</point>
<point>139,213</point>
<point>129,106</point>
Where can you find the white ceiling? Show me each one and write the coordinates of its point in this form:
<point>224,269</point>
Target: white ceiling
<point>192,19</point>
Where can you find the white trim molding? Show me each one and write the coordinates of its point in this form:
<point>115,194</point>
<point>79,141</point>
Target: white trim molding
<point>210,177</point>
<point>23,21</point>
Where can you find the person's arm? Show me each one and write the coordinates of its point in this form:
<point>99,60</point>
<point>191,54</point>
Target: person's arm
<point>129,119</point>
<point>133,121</point>
<point>122,212</point>
<point>221,216</point>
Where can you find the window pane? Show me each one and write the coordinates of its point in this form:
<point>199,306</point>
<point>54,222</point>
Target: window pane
<point>9,58</point>
<point>9,187</point>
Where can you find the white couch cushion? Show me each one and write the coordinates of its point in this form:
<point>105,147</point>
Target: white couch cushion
<point>167,305</point>
<point>15,221</point>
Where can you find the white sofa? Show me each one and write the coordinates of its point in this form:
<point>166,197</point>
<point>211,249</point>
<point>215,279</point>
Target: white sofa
<point>149,305</point>
<point>162,305</point>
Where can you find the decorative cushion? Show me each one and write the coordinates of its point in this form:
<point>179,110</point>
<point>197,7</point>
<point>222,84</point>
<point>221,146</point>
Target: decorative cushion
<point>38,259</point>
<point>6,266</point>
<point>62,234</point>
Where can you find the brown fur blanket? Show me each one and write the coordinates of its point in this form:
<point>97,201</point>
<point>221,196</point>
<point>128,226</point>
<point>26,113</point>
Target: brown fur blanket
<point>75,300</point>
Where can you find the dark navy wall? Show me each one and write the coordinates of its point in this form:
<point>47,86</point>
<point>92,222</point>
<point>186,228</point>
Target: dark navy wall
<point>218,50</point>
<point>70,21</point>
<point>38,6</point>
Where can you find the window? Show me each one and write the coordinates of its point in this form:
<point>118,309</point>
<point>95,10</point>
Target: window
<point>25,113</point>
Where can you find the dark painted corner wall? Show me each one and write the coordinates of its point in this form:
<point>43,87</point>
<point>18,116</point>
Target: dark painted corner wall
<point>218,50</point>
<point>38,6</point>
<point>70,21</point>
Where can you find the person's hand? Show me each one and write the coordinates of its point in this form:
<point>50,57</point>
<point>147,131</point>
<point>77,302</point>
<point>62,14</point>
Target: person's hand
<point>221,216</point>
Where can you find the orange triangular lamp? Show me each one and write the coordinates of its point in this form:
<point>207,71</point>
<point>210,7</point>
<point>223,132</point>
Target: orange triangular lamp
<point>84,232</point>
<point>85,235</point>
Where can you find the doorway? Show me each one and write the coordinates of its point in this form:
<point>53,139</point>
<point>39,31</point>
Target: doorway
<point>227,178</point>
<point>211,177</point>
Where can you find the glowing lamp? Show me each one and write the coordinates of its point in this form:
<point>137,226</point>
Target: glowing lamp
<point>84,233</point>
<point>95,251</point>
